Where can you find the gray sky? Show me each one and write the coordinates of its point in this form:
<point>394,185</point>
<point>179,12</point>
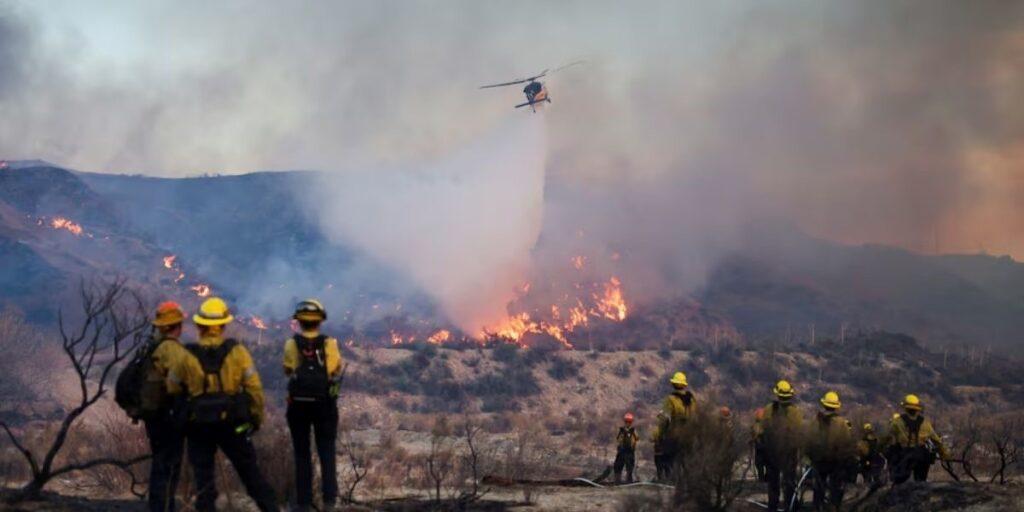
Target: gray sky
<point>881,121</point>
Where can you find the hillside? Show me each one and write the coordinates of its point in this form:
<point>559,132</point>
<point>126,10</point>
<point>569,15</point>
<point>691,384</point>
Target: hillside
<point>250,239</point>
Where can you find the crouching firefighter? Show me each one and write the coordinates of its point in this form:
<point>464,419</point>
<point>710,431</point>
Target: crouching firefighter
<point>225,408</point>
<point>149,389</point>
<point>912,443</point>
<point>312,363</point>
<point>625,454</point>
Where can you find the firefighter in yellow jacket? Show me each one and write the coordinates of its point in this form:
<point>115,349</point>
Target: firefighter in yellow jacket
<point>312,363</point>
<point>679,407</point>
<point>625,450</point>
<point>781,434</point>
<point>832,451</point>
<point>912,443</point>
<point>164,427</point>
<point>870,456</point>
<point>226,407</point>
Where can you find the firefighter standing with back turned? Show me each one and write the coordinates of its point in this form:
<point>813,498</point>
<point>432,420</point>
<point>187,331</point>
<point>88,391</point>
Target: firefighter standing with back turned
<point>870,456</point>
<point>165,428</point>
<point>312,362</point>
<point>625,454</point>
<point>226,407</point>
<point>832,452</point>
<point>679,406</point>
<point>781,435</point>
<point>912,443</point>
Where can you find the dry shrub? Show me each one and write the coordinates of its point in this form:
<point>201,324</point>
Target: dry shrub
<point>114,436</point>
<point>707,468</point>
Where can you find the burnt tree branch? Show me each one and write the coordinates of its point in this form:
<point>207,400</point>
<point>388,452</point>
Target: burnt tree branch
<point>113,325</point>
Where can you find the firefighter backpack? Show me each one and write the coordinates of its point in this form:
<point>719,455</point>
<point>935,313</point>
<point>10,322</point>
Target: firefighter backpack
<point>309,382</point>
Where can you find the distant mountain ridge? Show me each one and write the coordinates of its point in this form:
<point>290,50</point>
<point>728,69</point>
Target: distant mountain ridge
<point>235,232</point>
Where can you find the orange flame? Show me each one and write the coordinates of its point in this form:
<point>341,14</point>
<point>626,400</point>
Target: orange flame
<point>257,322</point>
<point>66,224</point>
<point>607,303</point>
<point>440,336</point>
<point>169,261</point>
<point>201,290</point>
<point>611,305</point>
<point>181,275</point>
<point>398,339</point>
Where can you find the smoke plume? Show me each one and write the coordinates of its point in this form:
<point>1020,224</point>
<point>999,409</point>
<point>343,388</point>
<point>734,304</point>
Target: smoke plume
<point>895,122</point>
<point>461,228</point>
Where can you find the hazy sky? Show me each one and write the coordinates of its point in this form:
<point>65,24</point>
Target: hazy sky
<point>898,122</point>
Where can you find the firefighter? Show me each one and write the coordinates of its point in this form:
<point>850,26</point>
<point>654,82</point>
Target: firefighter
<point>679,407</point>
<point>625,454</point>
<point>870,456</point>
<point>912,443</point>
<point>226,408</point>
<point>781,434</point>
<point>758,445</point>
<point>312,363</point>
<point>832,452</point>
<point>165,428</point>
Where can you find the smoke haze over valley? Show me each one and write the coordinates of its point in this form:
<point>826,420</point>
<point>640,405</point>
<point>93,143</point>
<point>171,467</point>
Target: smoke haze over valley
<point>696,138</point>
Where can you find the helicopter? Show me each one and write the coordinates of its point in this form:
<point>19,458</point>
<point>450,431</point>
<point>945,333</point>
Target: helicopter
<point>535,91</point>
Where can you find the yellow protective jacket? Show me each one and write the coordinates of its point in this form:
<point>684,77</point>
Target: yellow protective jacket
<point>678,407</point>
<point>867,446</point>
<point>168,359</point>
<point>830,438</point>
<point>627,437</point>
<point>901,433</point>
<point>238,375</point>
<point>332,355</point>
<point>782,426</point>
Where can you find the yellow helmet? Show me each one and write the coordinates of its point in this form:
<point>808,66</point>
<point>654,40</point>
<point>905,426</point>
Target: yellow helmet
<point>912,403</point>
<point>679,379</point>
<point>783,389</point>
<point>311,310</point>
<point>831,400</point>
<point>213,311</point>
<point>868,427</point>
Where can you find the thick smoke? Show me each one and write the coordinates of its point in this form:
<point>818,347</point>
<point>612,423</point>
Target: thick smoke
<point>895,122</point>
<point>461,228</point>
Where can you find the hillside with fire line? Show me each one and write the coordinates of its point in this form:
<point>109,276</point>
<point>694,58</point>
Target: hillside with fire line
<point>59,226</point>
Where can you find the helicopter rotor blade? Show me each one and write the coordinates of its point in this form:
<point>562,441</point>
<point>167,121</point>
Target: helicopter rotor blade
<point>569,65</point>
<point>506,83</point>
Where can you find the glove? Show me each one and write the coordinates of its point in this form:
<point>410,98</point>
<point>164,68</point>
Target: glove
<point>335,389</point>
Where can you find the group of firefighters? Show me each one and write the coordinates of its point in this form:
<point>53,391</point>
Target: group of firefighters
<point>781,438</point>
<point>210,397</point>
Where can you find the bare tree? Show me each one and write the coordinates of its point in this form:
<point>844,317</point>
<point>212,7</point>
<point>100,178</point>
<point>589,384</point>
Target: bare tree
<point>113,325</point>
<point>439,462</point>
<point>359,464</point>
<point>471,459</point>
<point>1004,436</point>
<point>968,435</point>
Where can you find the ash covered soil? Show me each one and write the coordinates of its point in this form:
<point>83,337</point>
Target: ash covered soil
<point>928,497</point>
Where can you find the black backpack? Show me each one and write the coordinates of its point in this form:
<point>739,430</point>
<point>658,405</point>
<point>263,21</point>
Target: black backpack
<point>309,382</point>
<point>216,407</point>
<point>139,389</point>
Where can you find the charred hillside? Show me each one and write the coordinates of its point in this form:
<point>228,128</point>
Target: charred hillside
<point>250,239</point>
